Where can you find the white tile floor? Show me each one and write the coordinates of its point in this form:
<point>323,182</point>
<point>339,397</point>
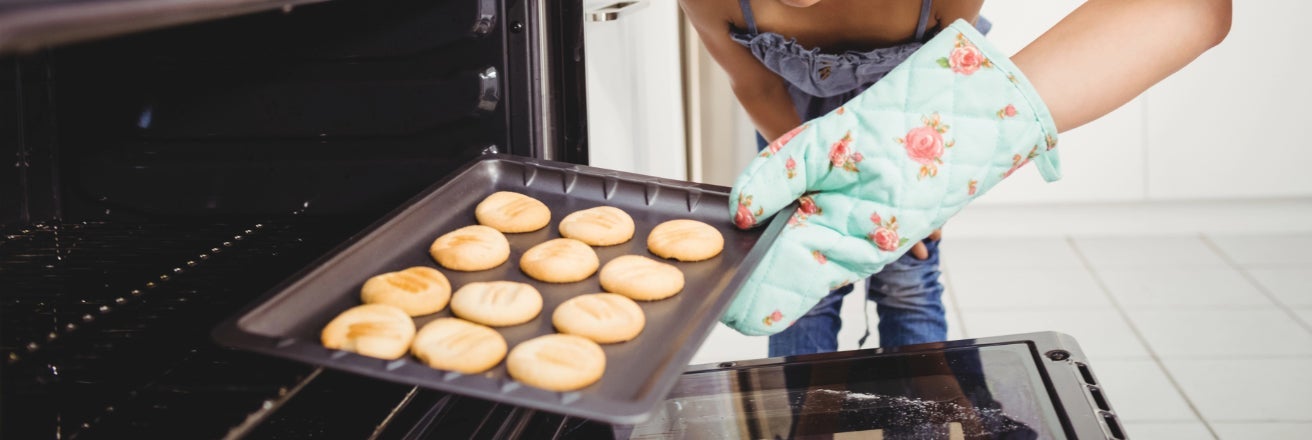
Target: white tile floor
<point>1195,335</point>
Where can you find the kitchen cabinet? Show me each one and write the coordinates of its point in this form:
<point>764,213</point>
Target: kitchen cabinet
<point>635,87</point>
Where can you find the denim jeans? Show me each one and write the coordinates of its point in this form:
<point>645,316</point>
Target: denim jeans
<point>908,298</point>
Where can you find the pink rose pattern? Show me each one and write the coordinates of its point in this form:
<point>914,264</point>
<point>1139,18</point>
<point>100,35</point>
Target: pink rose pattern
<point>885,234</point>
<point>1007,112</point>
<point>842,156</point>
<point>806,208</point>
<point>744,218</point>
<point>806,205</point>
<point>925,145</point>
<point>965,58</point>
<point>1018,161</point>
<point>778,144</point>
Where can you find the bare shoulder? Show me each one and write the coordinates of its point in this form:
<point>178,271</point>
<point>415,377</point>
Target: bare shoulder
<point>947,12</point>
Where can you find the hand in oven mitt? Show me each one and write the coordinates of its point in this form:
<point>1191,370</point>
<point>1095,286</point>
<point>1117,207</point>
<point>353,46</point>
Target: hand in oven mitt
<point>885,170</point>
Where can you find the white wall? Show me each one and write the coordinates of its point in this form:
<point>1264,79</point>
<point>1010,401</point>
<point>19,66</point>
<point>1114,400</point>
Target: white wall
<point>1232,125</point>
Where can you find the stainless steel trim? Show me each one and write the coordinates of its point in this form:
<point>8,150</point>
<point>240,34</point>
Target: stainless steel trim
<point>618,10</point>
<point>33,25</point>
<point>546,126</point>
<point>490,89</point>
<point>487,17</point>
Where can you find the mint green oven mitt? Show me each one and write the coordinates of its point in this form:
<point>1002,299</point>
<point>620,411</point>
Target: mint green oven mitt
<point>885,170</point>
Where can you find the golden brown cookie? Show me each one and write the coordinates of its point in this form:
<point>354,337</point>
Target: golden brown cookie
<point>497,303</point>
<point>418,290</point>
<point>374,330</point>
<point>641,278</point>
<point>471,248</point>
<point>600,226</point>
<point>512,212</point>
<point>685,240</point>
<point>563,260</point>
<point>557,362</point>
<point>457,345</point>
<point>605,318</point>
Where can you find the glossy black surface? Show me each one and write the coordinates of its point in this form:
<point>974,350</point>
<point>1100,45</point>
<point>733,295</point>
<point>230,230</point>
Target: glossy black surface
<point>341,108</point>
<point>142,163</point>
<point>990,392</point>
<point>105,326</point>
<point>1031,386</point>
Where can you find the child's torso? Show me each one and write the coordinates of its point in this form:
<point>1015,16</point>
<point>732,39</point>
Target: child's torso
<point>837,26</point>
<point>831,51</point>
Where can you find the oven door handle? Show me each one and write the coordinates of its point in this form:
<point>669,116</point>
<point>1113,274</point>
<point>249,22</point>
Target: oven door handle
<point>618,10</point>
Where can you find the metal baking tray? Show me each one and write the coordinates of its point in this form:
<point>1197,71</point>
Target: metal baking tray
<point>286,321</point>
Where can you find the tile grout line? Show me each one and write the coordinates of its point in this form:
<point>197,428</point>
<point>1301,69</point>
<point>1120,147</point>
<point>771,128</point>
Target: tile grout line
<point>1097,278</point>
<point>1253,280</point>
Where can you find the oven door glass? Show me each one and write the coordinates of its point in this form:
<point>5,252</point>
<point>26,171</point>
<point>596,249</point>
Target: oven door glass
<point>989,392</point>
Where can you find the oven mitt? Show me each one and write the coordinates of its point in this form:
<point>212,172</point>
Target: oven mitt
<point>885,170</point>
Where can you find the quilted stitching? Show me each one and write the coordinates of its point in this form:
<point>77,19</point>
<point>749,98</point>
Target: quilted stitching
<point>885,170</point>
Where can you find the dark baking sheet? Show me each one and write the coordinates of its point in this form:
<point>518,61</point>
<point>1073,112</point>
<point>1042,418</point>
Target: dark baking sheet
<point>286,321</point>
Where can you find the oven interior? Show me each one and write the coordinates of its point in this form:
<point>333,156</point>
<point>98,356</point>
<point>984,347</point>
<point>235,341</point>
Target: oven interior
<point>163,178</point>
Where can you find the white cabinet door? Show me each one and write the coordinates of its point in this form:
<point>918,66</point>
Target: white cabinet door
<point>635,87</point>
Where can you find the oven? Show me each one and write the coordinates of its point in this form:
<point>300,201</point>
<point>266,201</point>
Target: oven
<point>172,161</point>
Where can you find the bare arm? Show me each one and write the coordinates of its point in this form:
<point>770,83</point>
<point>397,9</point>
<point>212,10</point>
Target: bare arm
<point>761,92</point>
<point>1107,52</point>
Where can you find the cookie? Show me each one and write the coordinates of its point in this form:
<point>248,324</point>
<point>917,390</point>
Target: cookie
<point>497,303</point>
<point>457,345</point>
<point>563,260</point>
<point>417,291</point>
<point>685,240</point>
<point>471,248</point>
<point>605,318</point>
<point>557,362</point>
<point>374,330</point>
<point>600,226</point>
<point>641,278</point>
<point>512,212</point>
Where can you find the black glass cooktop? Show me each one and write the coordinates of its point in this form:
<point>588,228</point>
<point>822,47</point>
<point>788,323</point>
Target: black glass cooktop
<point>980,392</point>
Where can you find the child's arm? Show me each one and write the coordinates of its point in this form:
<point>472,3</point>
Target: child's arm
<point>761,92</point>
<point>940,130</point>
<point>1107,52</point>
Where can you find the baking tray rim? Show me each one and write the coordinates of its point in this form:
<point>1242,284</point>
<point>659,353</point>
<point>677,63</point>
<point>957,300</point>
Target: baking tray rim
<point>231,333</point>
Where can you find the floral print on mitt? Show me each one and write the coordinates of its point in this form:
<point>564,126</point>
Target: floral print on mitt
<point>876,175</point>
